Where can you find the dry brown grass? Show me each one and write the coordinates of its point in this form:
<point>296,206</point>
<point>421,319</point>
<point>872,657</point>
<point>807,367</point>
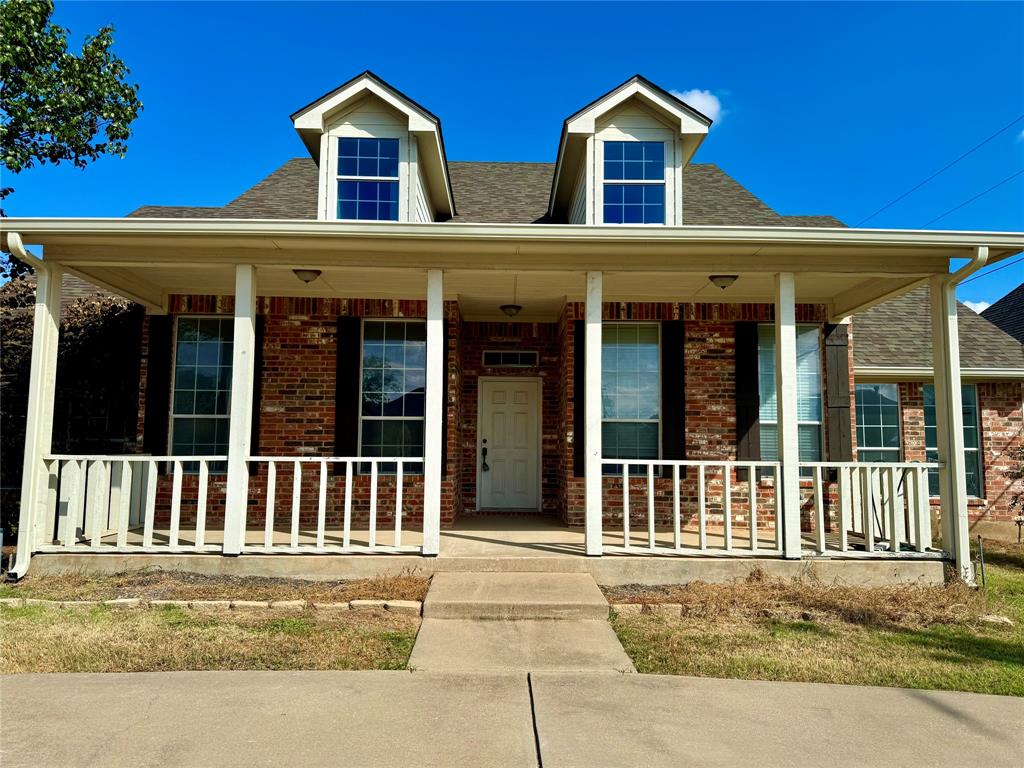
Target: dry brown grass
<point>155,584</point>
<point>166,639</point>
<point>759,596</point>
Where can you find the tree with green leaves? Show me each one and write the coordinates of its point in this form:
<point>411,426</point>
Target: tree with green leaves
<point>57,106</point>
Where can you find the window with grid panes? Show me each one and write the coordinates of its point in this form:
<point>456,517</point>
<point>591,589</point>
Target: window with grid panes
<point>201,390</point>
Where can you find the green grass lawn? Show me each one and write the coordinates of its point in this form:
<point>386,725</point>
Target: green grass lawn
<point>101,639</point>
<point>913,637</point>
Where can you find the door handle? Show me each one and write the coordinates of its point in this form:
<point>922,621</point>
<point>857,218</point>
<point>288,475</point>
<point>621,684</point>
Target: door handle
<point>483,456</point>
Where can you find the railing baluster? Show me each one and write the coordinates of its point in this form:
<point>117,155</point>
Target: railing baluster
<point>399,479</point>
<point>150,508</point>
<point>650,507</point>
<point>922,509</point>
<point>268,522</point>
<point>124,508</point>
<point>293,539</point>
<point>175,505</point>
<point>819,512</point>
<point>373,504</point>
<point>625,506</point>
<point>890,507</point>
<point>845,491</point>
<point>702,513</point>
<point>777,491</point>
<point>74,484</point>
<point>752,495</point>
<point>204,482</point>
<point>676,533</point>
<point>866,499</point>
<point>321,507</point>
<point>346,534</point>
<point>83,468</point>
<point>727,504</point>
<point>98,511</point>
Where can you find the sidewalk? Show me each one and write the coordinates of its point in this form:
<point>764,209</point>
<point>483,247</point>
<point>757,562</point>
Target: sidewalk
<point>403,719</point>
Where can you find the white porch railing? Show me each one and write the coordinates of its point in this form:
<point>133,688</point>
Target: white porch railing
<point>727,510</point>
<point>874,507</point>
<point>298,468</point>
<point>109,504</point>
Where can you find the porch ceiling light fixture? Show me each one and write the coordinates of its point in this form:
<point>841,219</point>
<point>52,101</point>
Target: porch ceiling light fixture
<point>723,281</point>
<point>307,275</point>
<point>512,309</point>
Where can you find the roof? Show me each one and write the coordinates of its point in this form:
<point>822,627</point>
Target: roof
<point>496,192</point>
<point>1008,313</point>
<point>897,334</point>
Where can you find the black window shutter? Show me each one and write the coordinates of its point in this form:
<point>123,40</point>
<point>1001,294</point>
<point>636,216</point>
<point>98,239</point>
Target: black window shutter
<point>156,418</point>
<point>673,391</point>
<point>444,400</point>
<point>837,388</point>
<point>257,392</point>
<point>346,392</point>
<point>579,384</point>
<point>748,402</point>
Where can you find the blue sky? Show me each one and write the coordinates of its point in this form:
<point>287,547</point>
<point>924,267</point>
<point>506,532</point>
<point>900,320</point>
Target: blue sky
<point>823,108</point>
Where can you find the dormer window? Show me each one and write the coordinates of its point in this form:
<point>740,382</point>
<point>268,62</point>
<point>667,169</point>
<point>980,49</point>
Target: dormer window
<point>634,182</point>
<point>368,179</point>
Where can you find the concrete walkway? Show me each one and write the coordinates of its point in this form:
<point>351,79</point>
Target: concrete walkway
<point>402,719</point>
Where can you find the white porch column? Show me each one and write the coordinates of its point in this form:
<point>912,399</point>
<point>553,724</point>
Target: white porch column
<point>592,451</point>
<point>243,365</point>
<point>785,399</point>
<point>39,418</point>
<point>949,423</point>
<point>435,411</point>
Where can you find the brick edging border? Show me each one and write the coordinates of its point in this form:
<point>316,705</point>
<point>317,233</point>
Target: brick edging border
<point>409,607</point>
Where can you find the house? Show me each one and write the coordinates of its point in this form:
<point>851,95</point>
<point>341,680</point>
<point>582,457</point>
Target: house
<point>1008,313</point>
<point>895,411</point>
<point>375,344</point>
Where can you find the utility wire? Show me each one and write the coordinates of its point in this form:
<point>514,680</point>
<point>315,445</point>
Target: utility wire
<point>1018,260</point>
<point>941,170</point>
<point>1011,177</point>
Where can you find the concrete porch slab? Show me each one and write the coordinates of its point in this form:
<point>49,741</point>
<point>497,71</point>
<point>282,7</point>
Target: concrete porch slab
<point>571,596</point>
<point>450,645</point>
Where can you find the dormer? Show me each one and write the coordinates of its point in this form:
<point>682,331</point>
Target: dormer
<point>621,158</point>
<point>380,154</point>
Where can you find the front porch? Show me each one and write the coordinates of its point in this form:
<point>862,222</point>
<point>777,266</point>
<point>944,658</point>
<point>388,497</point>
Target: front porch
<point>355,507</point>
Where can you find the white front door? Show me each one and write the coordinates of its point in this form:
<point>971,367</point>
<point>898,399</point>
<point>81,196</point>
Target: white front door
<point>508,444</point>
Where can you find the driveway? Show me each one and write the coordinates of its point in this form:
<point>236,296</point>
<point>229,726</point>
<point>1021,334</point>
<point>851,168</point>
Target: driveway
<point>557,720</point>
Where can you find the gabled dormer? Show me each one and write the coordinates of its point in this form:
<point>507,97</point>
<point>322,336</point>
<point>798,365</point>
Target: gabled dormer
<point>380,154</point>
<point>621,158</point>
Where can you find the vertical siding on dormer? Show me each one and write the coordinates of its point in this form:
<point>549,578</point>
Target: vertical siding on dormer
<point>421,209</point>
<point>578,203</point>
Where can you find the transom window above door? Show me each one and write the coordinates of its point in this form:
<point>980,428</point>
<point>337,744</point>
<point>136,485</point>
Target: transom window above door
<point>634,182</point>
<point>368,179</point>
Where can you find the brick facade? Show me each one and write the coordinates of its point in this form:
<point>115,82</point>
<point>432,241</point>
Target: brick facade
<point>297,411</point>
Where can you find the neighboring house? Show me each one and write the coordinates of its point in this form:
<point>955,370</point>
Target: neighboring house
<point>375,342</point>
<point>895,397</point>
<point>1008,313</point>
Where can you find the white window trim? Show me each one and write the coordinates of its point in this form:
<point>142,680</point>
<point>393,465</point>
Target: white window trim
<point>673,172</point>
<point>899,419</point>
<point>171,415</point>
<point>819,423</point>
<point>351,132</point>
<point>977,450</point>
<point>359,404</point>
<point>663,181</point>
<point>661,409</point>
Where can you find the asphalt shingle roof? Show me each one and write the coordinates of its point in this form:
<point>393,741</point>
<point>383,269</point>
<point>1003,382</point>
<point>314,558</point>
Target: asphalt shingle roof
<point>1008,313</point>
<point>898,334</point>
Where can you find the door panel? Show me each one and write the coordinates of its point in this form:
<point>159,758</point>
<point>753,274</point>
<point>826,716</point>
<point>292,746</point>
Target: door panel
<point>510,424</point>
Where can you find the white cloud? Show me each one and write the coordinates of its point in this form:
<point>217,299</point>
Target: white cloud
<point>703,101</point>
<point>978,306</point>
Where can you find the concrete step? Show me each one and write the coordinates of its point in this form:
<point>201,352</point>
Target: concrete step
<point>566,596</point>
<point>454,645</point>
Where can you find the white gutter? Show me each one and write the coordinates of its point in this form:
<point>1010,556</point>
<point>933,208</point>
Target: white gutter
<point>979,261</point>
<point>17,247</point>
<point>888,373</point>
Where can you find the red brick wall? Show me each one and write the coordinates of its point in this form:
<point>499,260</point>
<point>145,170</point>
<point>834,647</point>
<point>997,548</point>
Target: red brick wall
<point>1002,429</point>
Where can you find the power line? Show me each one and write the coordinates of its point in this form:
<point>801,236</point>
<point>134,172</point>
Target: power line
<point>941,170</point>
<point>1011,177</point>
<point>1018,260</point>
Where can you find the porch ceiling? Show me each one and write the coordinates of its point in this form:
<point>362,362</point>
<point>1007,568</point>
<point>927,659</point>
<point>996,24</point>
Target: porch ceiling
<point>147,259</point>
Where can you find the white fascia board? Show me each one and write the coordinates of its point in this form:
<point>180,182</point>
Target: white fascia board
<point>586,122</point>
<point>1003,244</point>
<point>313,117</point>
<point>886,373</point>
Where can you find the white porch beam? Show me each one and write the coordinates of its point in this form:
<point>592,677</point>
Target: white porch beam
<point>949,423</point>
<point>786,419</point>
<point>592,450</point>
<point>39,418</point>
<point>433,430</point>
<point>243,369</point>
